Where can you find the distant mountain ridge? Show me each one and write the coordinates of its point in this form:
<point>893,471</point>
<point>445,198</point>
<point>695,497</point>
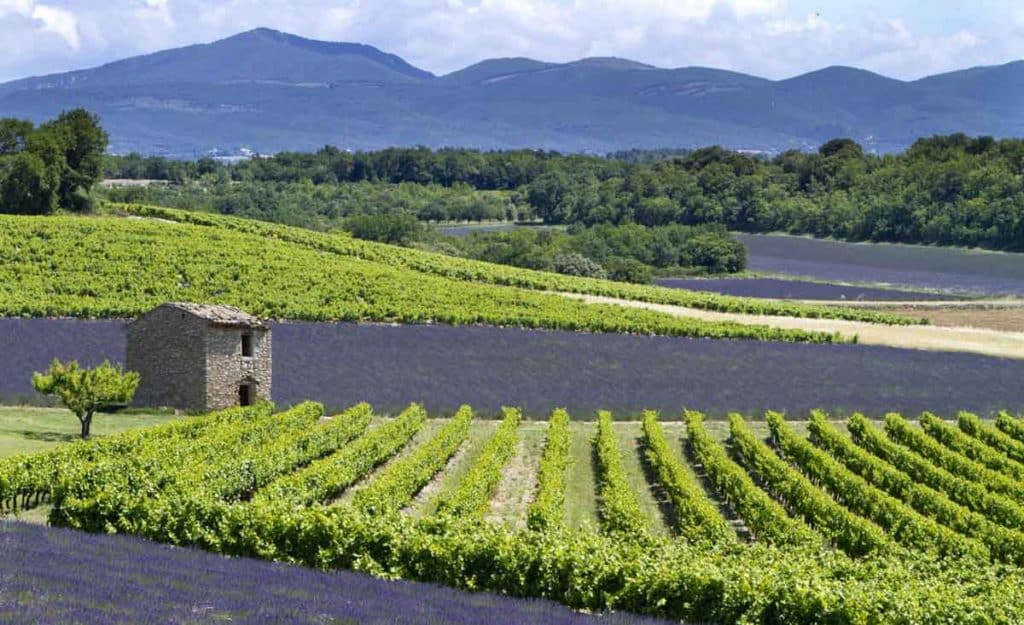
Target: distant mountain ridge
<point>269,91</point>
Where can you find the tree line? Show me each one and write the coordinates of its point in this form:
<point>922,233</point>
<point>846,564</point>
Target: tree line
<point>51,166</point>
<point>627,253</point>
<point>323,206</point>
<point>947,190</point>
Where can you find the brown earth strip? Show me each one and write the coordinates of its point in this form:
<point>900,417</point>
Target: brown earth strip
<point>444,481</point>
<point>518,484</point>
<point>430,427</point>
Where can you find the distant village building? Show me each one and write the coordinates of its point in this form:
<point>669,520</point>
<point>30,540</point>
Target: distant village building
<point>199,357</point>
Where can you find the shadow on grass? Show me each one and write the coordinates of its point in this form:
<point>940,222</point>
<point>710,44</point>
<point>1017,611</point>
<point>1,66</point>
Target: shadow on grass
<point>49,437</point>
<point>724,507</point>
<point>666,507</point>
<point>595,467</point>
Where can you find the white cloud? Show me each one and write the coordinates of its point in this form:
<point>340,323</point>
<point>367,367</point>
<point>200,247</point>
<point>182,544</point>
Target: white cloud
<point>21,7</point>
<point>58,21</point>
<point>46,18</point>
<point>812,22</point>
<point>767,37</point>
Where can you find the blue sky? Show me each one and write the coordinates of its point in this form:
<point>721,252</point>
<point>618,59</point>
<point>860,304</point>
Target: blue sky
<point>772,38</point>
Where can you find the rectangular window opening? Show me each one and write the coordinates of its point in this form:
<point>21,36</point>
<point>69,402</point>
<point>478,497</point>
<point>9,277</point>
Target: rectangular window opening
<point>246,346</point>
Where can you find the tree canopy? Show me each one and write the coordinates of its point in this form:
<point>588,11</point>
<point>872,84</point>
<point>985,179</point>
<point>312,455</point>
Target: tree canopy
<point>84,391</point>
<point>947,190</point>
<point>50,166</point>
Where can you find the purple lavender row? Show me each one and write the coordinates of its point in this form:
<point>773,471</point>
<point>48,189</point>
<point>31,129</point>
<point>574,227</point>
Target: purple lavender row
<point>52,575</point>
<point>443,367</point>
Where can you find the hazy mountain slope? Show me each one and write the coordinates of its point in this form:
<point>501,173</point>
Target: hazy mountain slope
<point>270,91</point>
<point>256,55</point>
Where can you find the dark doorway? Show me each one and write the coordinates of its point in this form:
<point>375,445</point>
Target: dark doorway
<point>246,394</point>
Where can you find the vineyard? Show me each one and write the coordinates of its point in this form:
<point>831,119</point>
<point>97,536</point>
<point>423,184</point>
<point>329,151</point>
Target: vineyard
<point>752,521</point>
<point>120,267</point>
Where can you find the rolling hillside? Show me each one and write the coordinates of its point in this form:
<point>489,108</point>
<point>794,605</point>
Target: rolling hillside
<point>246,90</point>
<point>111,267</point>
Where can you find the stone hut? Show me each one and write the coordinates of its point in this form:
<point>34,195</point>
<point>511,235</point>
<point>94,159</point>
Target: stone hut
<point>199,357</point>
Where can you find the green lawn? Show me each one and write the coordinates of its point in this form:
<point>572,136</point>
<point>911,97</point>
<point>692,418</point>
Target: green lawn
<point>26,429</point>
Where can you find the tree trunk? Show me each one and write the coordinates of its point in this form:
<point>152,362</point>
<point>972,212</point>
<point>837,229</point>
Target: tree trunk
<point>86,420</point>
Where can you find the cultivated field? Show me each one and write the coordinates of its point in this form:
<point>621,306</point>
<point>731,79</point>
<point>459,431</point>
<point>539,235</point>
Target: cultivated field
<point>144,582</point>
<point>853,521</point>
<point>776,288</point>
<point>445,366</point>
<point>926,337</point>
<point>910,266</point>
<point>290,273</point>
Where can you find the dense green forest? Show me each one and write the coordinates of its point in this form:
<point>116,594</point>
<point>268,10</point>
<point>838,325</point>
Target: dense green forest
<point>322,206</point>
<point>628,253</point>
<point>51,166</point>
<point>947,190</point>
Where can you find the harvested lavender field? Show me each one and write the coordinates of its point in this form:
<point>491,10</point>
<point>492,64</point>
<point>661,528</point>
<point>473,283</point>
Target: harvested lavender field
<point>445,366</point>
<point>52,575</point>
<point>909,266</point>
<point>776,288</point>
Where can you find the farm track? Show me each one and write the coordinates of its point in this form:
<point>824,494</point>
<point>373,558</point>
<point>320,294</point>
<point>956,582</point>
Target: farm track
<point>581,488</point>
<point>447,479</point>
<point>931,338</point>
<point>518,484</point>
<point>429,428</point>
<point>974,304</point>
<point>630,439</point>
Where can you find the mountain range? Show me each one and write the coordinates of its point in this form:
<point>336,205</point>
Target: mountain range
<point>267,91</point>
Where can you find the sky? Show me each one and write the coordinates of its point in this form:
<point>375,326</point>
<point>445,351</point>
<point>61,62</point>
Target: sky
<point>772,38</point>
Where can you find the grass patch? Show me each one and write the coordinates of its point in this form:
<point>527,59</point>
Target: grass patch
<point>580,492</point>
<point>25,429</point>
<point>427,500</point>
<point>630,435</point>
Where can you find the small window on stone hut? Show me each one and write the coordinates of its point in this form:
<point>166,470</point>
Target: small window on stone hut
<point>247,345</point>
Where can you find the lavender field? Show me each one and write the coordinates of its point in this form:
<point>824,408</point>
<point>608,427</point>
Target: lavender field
<point>909,266</point>
<point>795,289</point>
<point>445,366</point>
<point>52,575</point>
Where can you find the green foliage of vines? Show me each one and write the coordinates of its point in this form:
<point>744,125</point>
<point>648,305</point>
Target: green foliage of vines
<point>766,519</point>
<point>107,267</point>
<point>489,273</point>
<point>696,517</point>
<point>844,529</point>
<point>548,508</point>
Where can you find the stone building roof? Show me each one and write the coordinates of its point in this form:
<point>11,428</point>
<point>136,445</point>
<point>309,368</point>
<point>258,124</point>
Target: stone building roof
<point>219,314</point>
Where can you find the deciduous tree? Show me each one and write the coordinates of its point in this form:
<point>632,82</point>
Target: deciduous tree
<point>83,391</point>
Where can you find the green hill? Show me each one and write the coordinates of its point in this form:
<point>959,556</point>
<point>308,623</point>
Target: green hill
<point>122,266</point>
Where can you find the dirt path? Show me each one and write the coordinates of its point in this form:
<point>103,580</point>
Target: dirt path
<point>447,479</point>
<point>935,338</point>
<point>580,492</point>
<point>969,304</point>
<point>518,484</point>
<point>630,436</point>
<point>425,433</point>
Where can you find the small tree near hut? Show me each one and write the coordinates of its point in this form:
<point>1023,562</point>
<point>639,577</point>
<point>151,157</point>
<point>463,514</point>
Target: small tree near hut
<point>83,391</point>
